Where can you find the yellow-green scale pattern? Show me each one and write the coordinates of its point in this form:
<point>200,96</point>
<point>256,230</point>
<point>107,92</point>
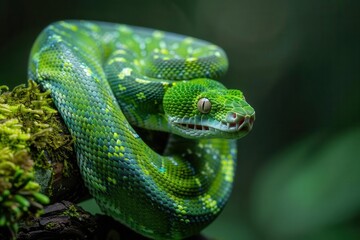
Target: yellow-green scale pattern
<point>106,77</point>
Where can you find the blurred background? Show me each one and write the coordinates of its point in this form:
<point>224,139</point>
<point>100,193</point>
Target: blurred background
<point>297,62</point>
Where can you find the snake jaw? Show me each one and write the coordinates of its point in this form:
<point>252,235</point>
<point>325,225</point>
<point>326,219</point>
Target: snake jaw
<point>189,127</point>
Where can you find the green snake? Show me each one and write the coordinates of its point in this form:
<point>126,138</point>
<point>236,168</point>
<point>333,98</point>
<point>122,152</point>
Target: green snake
<point>107,78</point>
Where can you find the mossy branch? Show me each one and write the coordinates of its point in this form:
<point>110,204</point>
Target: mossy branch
<point>36,157</point>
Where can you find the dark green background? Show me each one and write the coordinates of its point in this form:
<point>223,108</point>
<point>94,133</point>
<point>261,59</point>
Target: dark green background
<point>298,64</point>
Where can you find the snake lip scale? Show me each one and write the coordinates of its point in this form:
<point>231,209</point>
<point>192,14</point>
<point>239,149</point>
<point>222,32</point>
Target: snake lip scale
<point>104,79</point>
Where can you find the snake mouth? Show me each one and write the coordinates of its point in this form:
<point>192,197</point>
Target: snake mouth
<point>194,126</point>
<point>243,124</point>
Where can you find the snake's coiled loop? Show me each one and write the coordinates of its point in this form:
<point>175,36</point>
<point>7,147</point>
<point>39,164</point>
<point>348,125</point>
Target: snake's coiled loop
<point>103,76</point>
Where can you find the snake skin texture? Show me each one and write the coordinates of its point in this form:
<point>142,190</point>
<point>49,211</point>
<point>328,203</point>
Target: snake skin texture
<point>106,78</point>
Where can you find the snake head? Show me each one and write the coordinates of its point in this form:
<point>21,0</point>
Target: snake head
<point>204,108</point>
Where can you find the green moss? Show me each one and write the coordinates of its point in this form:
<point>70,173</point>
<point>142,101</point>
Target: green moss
<point>72,212</point>
<point>51,226</point>
<point>31,133</point>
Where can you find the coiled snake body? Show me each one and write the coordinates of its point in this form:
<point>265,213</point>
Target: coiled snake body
<point>105,78</point>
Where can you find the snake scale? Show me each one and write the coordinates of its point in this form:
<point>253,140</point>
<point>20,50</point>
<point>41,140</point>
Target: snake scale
<point>106,78</point>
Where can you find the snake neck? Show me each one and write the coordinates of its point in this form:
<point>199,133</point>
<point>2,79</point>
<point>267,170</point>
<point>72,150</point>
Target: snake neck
<point>140,98</point>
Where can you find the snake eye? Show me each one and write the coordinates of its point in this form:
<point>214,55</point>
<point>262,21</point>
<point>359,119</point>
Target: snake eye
<point>204,105</point>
